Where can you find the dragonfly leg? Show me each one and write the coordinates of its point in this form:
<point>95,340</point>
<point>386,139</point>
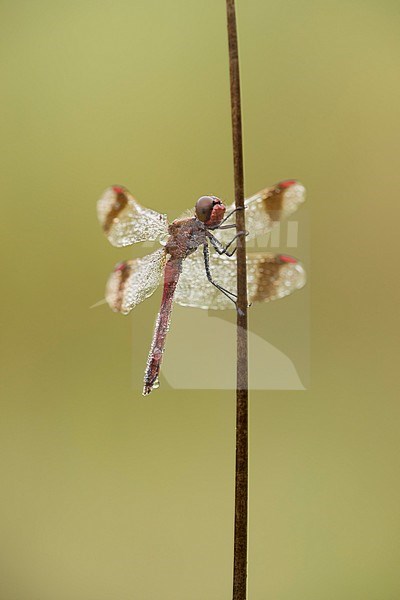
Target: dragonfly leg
<point>231,226</point>
<point>230,214</point>
<point>220,248</point>
<point>232,297</point>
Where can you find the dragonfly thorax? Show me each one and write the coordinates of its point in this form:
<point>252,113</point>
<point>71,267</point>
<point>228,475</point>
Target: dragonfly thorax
<point>186,235</point>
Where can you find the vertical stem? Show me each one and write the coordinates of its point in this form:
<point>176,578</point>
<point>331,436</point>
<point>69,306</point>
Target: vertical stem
<point>241,474</point>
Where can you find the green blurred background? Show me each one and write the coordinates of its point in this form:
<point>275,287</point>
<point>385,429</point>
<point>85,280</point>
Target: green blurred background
<point>107,495</point>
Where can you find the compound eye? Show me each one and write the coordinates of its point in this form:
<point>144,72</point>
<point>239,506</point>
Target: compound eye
<point>204,206</point>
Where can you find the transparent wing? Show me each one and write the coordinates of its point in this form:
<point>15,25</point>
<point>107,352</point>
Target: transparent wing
<point>269,277</point>
<point>267,207</point>
<point>133,281</point>
<point>187,214</point>
<point>125,221</point>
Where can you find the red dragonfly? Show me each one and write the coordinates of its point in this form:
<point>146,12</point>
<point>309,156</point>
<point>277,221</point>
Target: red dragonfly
<point>192,275</point>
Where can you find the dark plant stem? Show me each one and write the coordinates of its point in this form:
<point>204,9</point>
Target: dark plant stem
<point>241,474</point>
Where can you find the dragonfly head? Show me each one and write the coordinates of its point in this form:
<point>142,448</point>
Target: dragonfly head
<point>210,210</point>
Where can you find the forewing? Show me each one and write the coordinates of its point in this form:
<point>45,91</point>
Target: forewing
<point>125,221</point>
<point>133,281</point>
<point>187,214</point>
<point>269,277</point>
<point>266,208</point>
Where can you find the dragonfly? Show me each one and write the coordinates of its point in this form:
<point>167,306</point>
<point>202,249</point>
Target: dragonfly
<point>192,275</point>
